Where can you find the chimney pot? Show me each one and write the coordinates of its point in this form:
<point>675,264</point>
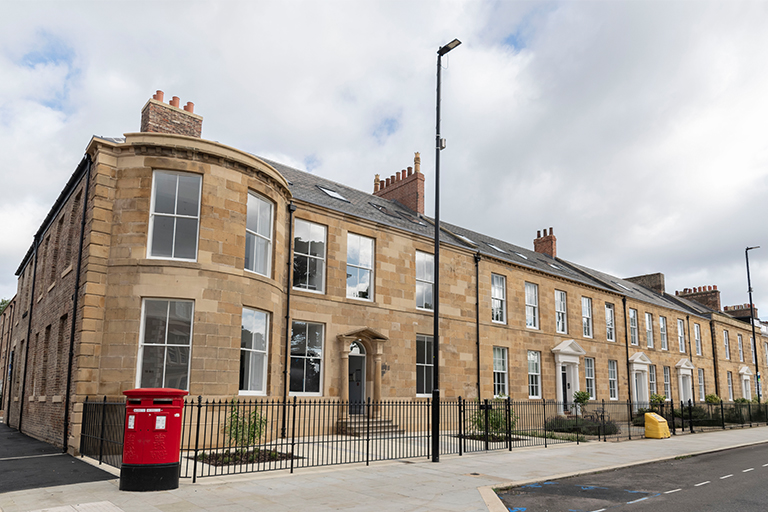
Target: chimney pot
<point>714,287</point>
<point>397,176</point>
<point>190,107</point>
<point>538,234</point>
<point>417,162</point>
<point>410,171</point>
<point>550,231</point>
<point>175,101</point>
<point>387,183</point>
<point>158,96</point>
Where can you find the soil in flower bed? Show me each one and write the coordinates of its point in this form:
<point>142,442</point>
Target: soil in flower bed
<point>243,457</point>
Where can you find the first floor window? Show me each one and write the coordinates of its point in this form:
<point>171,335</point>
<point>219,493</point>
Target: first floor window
<point>586,316</point>
<point>424,364</point>
<point>613,378</point>
<point>258,235</point>
<point>681,335</point>
<point>752,346</point>
<point>730,386</point>
<point>166,342</point>
<point>649,330</point>
<point>633,327</point>
<point>697,337</point>
<point>359,267</point>
<point>610,333</point>
<point>425,280</point>
<point>589,374</point>
<point>741,348</point>
<point>561,314</point>
<point>531,305</point>
<point>254,342</point>
<point>500,371</point>
<point>701,384</point>
<point>306,357</point>
<point>667,384</point>
<point>498,298</point>
<point>309,256</point>
<point>174,216</point>
<point>534,374</point>
<point>652,379</point>
<point>727,345</point>
<point>663,332</point>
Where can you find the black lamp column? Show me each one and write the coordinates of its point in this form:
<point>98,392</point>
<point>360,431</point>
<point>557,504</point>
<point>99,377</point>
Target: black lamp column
<point>439,145</point>
<point>752,321</point>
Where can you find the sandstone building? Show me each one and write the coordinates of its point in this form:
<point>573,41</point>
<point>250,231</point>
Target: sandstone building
<point>169,260</point>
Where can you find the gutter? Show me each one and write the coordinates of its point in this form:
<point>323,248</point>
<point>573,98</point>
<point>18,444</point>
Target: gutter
<point>289,286</point>
<point>477,318</point>
<point>626,344</point>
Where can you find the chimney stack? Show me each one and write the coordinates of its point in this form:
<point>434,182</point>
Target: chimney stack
<point>708,296</point>
<point>405,187</point>
<point>159,117</point>
<point>546,244</point>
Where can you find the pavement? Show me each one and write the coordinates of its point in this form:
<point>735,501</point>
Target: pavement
<point>456,483</point>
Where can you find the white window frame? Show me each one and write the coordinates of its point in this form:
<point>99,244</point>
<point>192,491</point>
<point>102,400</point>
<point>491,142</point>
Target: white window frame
<point>633,334</point>
<point>500,372</point>
<point>667,383</point>
<point>610,322</point>
<point>534,374</point>
<point>586,317</point>
<point>360,267</point>
<point>652,389</point>
<point>320,260</point>
<point>424,280</point>
<point>589,377</point>
<point>649,330</point>
<point>143,345</point>
<point>752,347</point>
<point>765,351</point>
<point>305,357</point>
<point>741,348</point>
<point>427,363</point>
<point>702,387</point>
<point>730,386</point>
<point>254,203</point>
<point>498,299</point>
<point>561,312</point>
<point>253,351</point>
<point>613,380</point>
<point>746,387</point>
<point>663,333</point>
<point>681,335</point>
<point>697,337</point>
<point>531,305</point>
<point>175,216</point>
<point>727,345</point>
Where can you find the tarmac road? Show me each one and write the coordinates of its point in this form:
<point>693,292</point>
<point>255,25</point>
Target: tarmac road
<point>729,480</point>
<point>27,463</point>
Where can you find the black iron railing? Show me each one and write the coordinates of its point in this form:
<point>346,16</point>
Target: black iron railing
<point>101,435</point>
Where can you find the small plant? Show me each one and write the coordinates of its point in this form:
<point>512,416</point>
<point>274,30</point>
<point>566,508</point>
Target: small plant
<point>581,397</point>
<point>712,399</point>
<point>497,418</point>
<point>244,428</point>
<point>741,401</point>
<point>657,400</point>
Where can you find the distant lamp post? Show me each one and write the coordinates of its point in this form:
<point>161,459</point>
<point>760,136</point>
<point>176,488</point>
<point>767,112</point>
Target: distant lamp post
<point>439,145</point>
<point>752,321</point>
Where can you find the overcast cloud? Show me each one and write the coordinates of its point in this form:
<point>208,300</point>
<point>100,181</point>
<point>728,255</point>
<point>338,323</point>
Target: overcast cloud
<point>636,129</point>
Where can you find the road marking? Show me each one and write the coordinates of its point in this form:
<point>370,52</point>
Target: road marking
<point>702,483</point>
<point>673,490</point>
<point>765,465</point>
<point>748,470</point>
<point>726,476</point>
<point>600,510</point>
<point>641,499</point>
<point>32,456</point>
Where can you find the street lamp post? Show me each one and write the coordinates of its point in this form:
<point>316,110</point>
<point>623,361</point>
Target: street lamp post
<point>439,145</point>
<point>752,321</point>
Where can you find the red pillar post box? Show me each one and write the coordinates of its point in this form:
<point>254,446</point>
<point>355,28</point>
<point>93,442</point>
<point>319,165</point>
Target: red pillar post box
<point>152,441</point>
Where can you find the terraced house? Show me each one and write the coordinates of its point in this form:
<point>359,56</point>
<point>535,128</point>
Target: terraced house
<point>173,261</point>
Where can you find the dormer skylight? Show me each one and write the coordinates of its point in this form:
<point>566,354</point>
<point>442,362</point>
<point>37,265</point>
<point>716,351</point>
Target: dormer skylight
<point>333,193</point>
<point>499,249</point>
<point>522,255</point>
<point>465,239</point>
<point>621,285</point>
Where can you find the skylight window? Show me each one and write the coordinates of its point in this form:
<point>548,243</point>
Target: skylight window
<point>464,239</point>
<point>555,266</point>
<point>384,210</point>
<point>496,248</point>
<point>411,218</point>
<point>621,285</point>
<point>333,193</point>
<point>522,255</point>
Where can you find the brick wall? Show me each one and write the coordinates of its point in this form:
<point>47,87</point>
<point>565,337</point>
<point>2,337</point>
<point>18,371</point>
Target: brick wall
<point>405,187</point>
<point>160,117</point>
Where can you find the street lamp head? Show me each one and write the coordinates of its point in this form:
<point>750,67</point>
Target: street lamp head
<point>450,46</point>
<point>750,248</point>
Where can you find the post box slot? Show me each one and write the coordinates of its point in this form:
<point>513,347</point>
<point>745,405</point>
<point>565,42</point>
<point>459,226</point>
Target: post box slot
<point>134,401</point>
<point>162,401</point>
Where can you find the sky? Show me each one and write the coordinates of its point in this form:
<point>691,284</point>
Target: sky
<point>637,130</point>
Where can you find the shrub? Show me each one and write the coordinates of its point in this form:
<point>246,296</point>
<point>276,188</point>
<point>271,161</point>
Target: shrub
<point>712,399</point>
<point>657,400</point>
<point>244,428</point>
<point>497,418</point>
<point>581,398</point>
<point>582,426</point>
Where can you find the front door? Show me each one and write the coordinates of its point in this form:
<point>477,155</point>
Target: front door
<point>566,387</point>
<point>356,379</point>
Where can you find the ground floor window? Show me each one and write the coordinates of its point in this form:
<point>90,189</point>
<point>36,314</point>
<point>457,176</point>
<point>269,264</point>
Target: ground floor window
<point>667,383</point>
<point>589,374</point>
<point>613,388</point>
<point>254,342</point>
<point>424,364</point>
<point>306,357</point>
<point>534,374</point>
<point>652,379</point>
<point>166,342</point>
<point>500,371</point>
<point>730,386</point>
<point>701,384</point>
